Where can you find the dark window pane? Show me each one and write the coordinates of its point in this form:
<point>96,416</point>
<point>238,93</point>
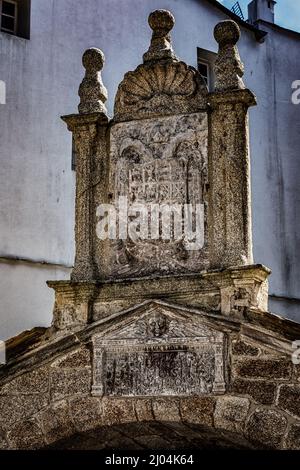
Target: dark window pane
<point>8,23</point>
<point>9,8</point>
<point>203,69</point>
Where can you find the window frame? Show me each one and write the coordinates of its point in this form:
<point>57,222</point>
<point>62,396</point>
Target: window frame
<point>207,58</point>
<point>9,31</point>
<point>207,65</point>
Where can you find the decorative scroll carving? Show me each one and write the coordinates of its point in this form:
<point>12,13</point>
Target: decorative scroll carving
<point>159,354</point>
<point>160,162</point>
<point>162,85</point>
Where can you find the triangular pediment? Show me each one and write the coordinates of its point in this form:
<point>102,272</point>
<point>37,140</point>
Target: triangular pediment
<point>159,321</point>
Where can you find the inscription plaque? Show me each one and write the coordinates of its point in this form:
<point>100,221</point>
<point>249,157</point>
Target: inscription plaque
<point>159,354</point>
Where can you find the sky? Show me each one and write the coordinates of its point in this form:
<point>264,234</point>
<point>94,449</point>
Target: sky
<point>287,12</point>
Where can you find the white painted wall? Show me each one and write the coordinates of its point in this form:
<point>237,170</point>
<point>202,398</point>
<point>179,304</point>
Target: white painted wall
<point>36,182</point>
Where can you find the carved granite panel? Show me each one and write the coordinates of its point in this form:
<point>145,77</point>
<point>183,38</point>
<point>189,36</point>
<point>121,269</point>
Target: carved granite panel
<point>159,354</point>
<point>158,163</point>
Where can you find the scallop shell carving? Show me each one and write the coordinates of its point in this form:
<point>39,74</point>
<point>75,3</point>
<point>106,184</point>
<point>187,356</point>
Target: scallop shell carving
<point>160,89</point>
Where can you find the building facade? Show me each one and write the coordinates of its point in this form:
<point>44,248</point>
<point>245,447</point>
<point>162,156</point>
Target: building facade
<point>40,67</point>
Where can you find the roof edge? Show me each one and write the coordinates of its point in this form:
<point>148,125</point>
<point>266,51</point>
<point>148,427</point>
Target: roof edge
<point>258,33</point>
<point>279,28</point>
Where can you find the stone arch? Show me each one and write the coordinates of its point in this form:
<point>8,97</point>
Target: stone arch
<point>153,435</point>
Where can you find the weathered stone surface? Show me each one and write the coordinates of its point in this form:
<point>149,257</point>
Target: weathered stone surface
<point>199,410</point>
<point>261,391</point>
<point>56,422</point>
<point>229,224</point>
<point>161,22</point>
<point>229,203</point>
<point>79,358</point>
<point>264,368</point>
<point>229,69</point>
<point>3,442</point>
<point>266,427</point>
<point>296,372</point>
<point>289,399</point>
<point>26,435</point>
<point>64,383</point>
<point>292,441</point>
<point>118,410</point>
<point>145,355</point>
<point>28,383</point>
<point>92,92</point>
<point>231,413</point>
<point>86,413</point>
<point>241,348</point>
<point>166,409</point>
<point>14,408</point>
<point>143,409</point>
<point>87,129</point>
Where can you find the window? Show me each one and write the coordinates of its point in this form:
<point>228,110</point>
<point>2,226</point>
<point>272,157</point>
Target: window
<point>206,62</point>
<point>271,5</point>
<point>15,17</point>
<point>9,11</point>
<point>203,68</point>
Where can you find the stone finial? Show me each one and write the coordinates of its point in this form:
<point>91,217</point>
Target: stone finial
<point>161,22</point>
<point>229,68</point>
<point>92,92</point>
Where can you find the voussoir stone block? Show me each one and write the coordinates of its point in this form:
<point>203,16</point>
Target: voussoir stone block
<point>26,435</point>
<point>166,409</point>
<point>36,381</point>
<point>292,441</point>
<point>118,410</point>
<point>79,358</point>
<point>64,383</point>
<point>266,427</point>
<point>231,413</point>
<point>143,409</point>
<point>198,410</point>
<point>3,443</point>
<point>86,413</point>
<point>241,348</point>
<point>261,391</point>
<point>56,422</point>
<point>15,408</point>
<point>297,372</point>
<point>273,369</point>
<point>289,399</point>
